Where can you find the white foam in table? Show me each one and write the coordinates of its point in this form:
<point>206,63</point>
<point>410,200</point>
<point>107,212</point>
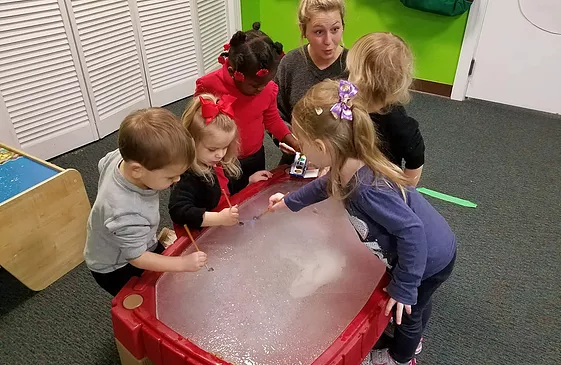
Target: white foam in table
<point>283,287</point>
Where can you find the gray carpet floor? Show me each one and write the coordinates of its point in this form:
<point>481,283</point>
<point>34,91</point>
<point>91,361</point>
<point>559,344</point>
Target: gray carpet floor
<point>501,306</point>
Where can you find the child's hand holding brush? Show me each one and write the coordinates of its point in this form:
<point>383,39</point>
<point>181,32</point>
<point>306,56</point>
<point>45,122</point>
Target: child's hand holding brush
<point>193,262</point>
<point>229,216</point>
<point>276,202</point>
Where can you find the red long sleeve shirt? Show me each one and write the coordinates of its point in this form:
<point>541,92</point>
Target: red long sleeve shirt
<point>253,114</point>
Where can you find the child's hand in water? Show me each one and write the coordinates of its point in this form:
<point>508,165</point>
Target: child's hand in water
<point>194,261</point>
<point>276,202</point>
<point>398,309</point>
<point>229,216</point>
<point>260,176</point>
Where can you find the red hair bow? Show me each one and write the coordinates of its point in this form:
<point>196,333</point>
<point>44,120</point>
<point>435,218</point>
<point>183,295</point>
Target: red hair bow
<point>210,109</point>
<point>238,76</point>
<point>263,72</point>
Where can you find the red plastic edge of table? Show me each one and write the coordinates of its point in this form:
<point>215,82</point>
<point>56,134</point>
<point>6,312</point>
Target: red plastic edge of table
<point>140,332</point>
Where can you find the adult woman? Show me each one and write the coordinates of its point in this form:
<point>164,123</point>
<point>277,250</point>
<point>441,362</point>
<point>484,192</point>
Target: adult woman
<point>321,23</point>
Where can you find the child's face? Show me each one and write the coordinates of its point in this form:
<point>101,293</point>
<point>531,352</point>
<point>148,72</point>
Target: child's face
<point>316,151</point>
<point>324,32</point>
<point>160,179</point>
<point>253,85</point>
<point>213,147</point>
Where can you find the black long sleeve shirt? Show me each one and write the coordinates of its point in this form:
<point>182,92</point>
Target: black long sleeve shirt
<point>401,139</point>
<point>191,197</point>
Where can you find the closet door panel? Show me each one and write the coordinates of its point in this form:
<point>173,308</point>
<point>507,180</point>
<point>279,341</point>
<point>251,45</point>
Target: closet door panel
<point>43,100</point>
<point>214,29</point>
<point>110,55</point>
<point>168,47</point>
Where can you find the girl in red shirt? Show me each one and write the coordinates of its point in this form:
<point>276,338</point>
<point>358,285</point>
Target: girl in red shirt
<point>250,63</point>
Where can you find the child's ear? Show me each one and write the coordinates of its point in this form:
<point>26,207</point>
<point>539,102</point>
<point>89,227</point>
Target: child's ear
<point>320,145</point>
<point>136,169</point>
<point>231,71</point>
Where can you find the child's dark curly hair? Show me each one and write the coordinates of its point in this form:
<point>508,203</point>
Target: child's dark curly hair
<point>252,51</point>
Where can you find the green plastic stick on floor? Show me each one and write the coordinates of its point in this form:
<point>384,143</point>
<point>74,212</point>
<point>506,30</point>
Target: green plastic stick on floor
<point>446,197</point>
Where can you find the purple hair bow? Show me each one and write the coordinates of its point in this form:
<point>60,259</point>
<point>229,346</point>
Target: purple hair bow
<point>342,109</point>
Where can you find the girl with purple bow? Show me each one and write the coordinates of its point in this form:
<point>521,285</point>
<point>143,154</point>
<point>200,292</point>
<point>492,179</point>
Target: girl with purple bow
<point>210,121</point>
<point>392,219</point>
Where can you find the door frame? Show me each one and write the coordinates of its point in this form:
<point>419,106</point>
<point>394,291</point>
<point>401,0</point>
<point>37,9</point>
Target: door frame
<point>7,133</point>
<point>472,33</point>
<point>235,13</point>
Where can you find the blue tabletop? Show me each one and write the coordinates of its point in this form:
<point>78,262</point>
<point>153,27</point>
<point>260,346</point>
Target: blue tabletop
<point>19,173</point>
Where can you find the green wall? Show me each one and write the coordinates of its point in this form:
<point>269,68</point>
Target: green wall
<point>435,40</point>
<point>251,12</point>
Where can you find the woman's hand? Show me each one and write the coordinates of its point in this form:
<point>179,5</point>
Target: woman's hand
<point>262,175</point>
<point>276,202</point>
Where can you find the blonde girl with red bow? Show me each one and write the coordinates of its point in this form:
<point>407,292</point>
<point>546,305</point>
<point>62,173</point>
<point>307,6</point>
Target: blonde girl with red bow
<point>210,121</point>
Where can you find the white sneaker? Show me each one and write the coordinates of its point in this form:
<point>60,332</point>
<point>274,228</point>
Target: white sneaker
<point>382,357</point>
<point>419,347</point>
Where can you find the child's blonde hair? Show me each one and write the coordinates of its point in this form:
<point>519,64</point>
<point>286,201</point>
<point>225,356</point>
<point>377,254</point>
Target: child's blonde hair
<point>381,65</point>
<point>312,120</point>
<point>308,8</point>
<point>196,125</point>
<point>155,138</point>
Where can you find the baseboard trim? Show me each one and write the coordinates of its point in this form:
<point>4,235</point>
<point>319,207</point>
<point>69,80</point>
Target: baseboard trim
<point>432,87</point>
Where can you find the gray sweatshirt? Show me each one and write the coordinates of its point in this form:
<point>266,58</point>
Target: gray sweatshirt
<point>297,73</point>
<point>123,221</point>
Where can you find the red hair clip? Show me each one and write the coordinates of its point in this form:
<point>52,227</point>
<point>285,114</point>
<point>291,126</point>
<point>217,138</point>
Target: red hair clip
<point>263,72</point>
<point>238,76</point>
<point>221,60</point>
<point>227,47</point>
<point>210,109</point>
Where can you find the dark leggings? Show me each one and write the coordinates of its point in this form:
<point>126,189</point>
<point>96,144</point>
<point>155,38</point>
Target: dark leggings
<point>409,333</point>
<point>250,165</point>
<point>114,281</point>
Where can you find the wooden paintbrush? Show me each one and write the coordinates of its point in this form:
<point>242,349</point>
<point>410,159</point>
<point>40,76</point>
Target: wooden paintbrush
<point>195,244</point>
<point>267,211</point>
<point>230,204</point>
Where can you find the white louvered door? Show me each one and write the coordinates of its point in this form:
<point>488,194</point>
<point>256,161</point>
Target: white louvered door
<point>168,48</point>
<point>215,30</point>
<point>43,106</point>
<point>181,41</point>
<point>110,55</point>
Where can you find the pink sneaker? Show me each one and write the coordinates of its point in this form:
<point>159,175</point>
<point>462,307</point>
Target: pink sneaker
<point>419,347</point>
<point>382,357</point>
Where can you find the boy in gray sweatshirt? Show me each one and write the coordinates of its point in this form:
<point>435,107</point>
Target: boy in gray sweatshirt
<point>154,150</point>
